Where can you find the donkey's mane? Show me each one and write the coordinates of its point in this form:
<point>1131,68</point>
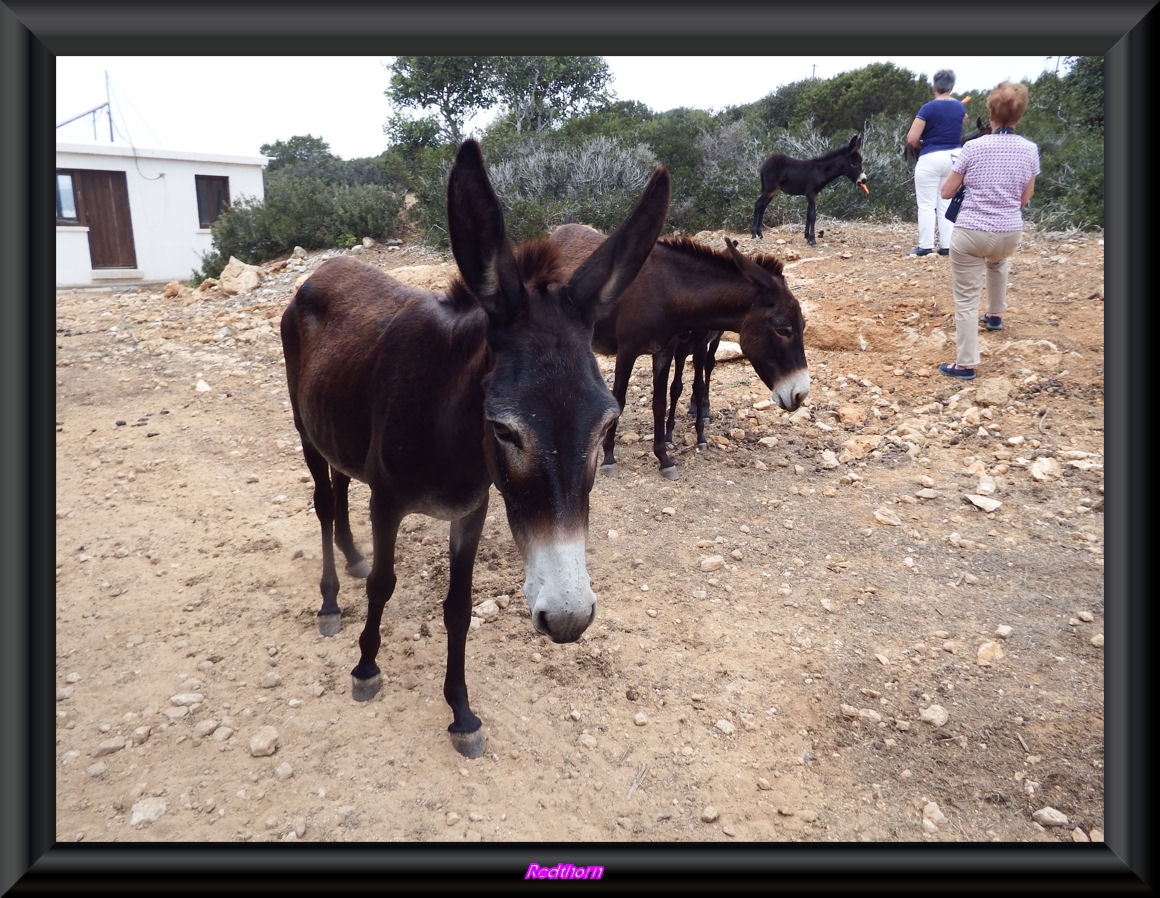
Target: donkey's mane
<point>721,257</point>
<point>834,153</point>
<point>537,262</point>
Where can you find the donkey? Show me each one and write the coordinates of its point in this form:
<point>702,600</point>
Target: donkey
<point>689,286</point>
<point>431,398</point>
<point>806,178</point>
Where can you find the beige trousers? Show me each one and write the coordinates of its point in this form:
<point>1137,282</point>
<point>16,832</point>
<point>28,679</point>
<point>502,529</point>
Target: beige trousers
<point>978,257</point>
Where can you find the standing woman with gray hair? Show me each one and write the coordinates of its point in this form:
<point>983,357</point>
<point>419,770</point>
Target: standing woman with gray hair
<point>998,173</point>
<point>936,133</point>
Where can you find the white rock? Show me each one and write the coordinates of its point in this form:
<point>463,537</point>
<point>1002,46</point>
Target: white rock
<point>1049,817</point>
<point>986,504</point>
<point>888,517</point>
<point>146,810</point>
<point>487,609</point>
<point>264,742</point>
<point>936,715</point>
<point>712,563</point>
<point>108,747</point>
<point>1045,469</point>
<point>726,727</point>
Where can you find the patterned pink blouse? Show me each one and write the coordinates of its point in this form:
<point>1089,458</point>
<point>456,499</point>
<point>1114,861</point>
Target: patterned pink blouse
<point>995,168</point>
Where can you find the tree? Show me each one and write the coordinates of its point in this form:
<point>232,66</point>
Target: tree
<point>456,87</point>
<point>541,91</point>
<point>1085,84</point>
<point>301,148</point>
<point>844,104</point>
<point>775,110</point>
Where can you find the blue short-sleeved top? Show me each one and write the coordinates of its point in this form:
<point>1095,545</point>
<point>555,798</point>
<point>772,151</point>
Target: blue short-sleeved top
<point>944,125</point>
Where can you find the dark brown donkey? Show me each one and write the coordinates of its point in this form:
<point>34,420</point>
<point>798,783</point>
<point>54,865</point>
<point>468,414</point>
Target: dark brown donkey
<point>685,285</point>
<point>806,177</point>
<point>430,398</point>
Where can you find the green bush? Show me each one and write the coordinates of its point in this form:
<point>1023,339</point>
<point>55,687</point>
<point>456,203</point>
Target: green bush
<point>307,212</point>
<point>545,182</point>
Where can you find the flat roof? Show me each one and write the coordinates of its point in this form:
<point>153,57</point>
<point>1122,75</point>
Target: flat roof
<point>125,151</point>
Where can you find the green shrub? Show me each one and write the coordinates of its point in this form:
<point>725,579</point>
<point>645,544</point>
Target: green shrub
<point>543,183</point>
<point>306,212</point>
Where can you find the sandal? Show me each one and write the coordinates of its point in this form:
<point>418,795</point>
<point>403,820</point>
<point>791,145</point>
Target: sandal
<point>951,369</point>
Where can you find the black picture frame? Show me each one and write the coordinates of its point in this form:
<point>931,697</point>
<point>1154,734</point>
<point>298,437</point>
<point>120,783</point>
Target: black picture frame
<point>33,33</point>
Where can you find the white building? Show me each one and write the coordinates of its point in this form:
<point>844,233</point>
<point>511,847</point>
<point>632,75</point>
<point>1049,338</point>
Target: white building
<point>127,215</point>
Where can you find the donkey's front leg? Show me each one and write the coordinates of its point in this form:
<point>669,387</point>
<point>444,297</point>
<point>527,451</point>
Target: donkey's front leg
<point>811,217</point>
<point>625,359</point>
<point>467,729</point>
<point>366,679</point>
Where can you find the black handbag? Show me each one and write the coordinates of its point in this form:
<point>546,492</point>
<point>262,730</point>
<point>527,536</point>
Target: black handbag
<point>956,203</point>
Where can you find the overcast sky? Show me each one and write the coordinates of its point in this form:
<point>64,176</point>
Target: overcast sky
<point>234,104</point>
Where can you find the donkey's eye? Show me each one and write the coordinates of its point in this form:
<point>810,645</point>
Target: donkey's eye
<point>507,435</point>
<point>785,332</point>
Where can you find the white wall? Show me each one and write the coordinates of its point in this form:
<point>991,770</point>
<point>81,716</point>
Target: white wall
<point>167,236</point>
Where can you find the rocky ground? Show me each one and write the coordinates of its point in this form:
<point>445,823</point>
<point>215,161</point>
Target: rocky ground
<point>879,618</point>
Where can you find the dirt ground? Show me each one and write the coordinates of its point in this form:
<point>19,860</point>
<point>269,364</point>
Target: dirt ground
<point>877,619</point>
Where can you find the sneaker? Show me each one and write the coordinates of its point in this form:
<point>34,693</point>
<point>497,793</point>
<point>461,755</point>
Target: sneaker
<point>919,251</point>
<point>993,322</point>
<point>944,251</point>
<point>950,369</point>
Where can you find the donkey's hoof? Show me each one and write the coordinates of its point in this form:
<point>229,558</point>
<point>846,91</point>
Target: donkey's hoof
<point>702,444</point>
<point>365,690</point>
<point>329,624</point>
<point>608,470</point>
<point>669,473</point>
<point>470,745</point>
<point>359,569</point>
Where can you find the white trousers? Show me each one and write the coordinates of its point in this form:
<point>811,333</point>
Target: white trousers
<point>929,173</point>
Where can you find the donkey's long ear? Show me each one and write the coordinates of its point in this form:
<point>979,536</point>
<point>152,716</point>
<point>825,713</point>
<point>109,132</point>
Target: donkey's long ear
<point>856,142</point>
<point>610,269</point>
<point>478,241</point>
<point>749,269</point>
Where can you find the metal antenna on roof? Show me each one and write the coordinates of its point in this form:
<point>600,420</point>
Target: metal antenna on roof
<point>108,106</point>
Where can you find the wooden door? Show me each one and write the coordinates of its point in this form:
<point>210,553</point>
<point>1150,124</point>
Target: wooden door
<point>103,205</point>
